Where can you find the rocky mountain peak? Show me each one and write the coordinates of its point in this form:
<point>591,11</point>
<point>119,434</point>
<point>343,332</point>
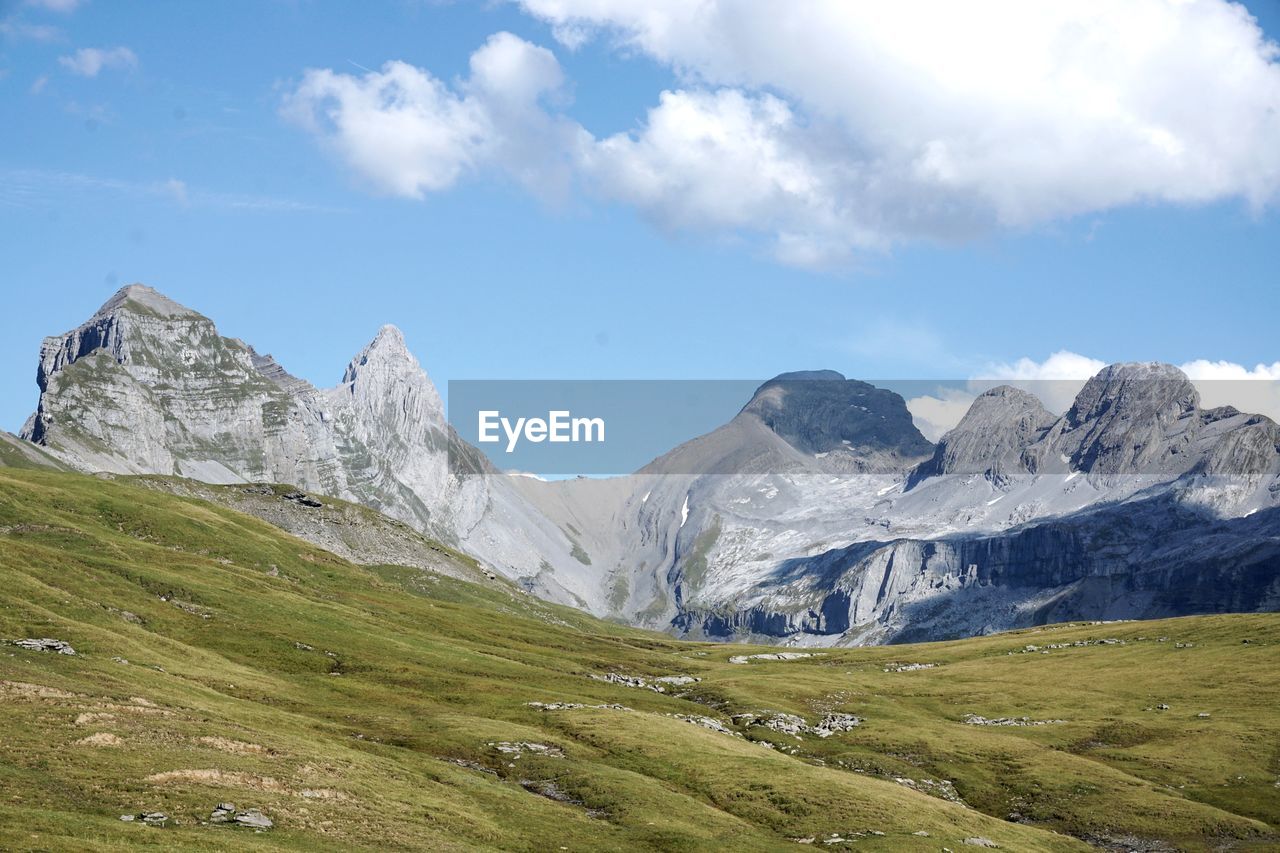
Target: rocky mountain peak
<point>138,325</point>
<point>385,373</point>
<point>1002,406</point>
<point>1131,418</point>
<point>817,411</point>
<point>134,296</point>
<point>389,340</point>
<point>991,437</point>
<point>1004,395</point>
<point>1134,390</point>
<point>387,353</point>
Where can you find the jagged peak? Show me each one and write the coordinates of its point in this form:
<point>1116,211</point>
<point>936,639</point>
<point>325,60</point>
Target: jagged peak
<point>387,345</point>
<point>990,438</point>
<point>389,337</point>
<point>386,373</point>
<point>147,297</point>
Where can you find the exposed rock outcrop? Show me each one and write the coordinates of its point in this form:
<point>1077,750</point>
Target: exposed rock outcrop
<point>44,644</point>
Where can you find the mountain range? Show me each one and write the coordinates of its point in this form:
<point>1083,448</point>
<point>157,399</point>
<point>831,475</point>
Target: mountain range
<point>822,516</point>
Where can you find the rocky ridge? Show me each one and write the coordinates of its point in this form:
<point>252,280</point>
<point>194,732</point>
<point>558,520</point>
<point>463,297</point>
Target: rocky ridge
<point>819,514</point>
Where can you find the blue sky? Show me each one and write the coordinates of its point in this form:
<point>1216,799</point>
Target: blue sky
<point>176,157</point>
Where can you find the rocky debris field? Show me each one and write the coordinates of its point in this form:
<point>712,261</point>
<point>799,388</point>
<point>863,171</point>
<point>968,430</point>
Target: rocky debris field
<point>44,644</point>
<point>979,720</point>
<point>658,684</point>
<point>768,656</point>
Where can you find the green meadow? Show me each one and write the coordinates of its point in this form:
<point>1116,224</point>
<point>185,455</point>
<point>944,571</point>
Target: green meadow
<point>219,659</point>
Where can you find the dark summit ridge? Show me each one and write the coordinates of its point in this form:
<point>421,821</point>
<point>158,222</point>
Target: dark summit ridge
<point>817,411</point>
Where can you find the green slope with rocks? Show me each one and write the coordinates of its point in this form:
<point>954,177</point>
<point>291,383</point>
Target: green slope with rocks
<point>16,453</point>
<point>220,660</point>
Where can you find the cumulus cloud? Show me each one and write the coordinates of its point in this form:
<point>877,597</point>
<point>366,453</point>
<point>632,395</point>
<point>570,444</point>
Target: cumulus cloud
<point>1222,383</point>
<point>408,133</point>
<point>1058,379</point>
<point>934,119</point>
<point>845,126</point>
<point>89,61</point>
<point>935,415</point>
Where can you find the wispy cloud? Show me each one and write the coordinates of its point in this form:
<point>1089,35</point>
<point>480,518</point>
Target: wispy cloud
<point>63,6</point>
<point>12,28</point>
<point>89,61</point>
<point>177,189</point>
<point>32,188</point>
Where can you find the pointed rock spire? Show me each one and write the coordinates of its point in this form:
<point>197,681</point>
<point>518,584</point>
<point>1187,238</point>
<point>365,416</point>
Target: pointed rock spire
<point>385,374</point>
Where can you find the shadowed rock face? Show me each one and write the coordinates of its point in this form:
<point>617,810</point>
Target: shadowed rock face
<point>1145,419</point>
<point>1150,559</point>
<point>820,411</point>
<point>1134,504</point>
<point>1130,417</point>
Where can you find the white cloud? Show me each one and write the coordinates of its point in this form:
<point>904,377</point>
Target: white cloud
<point>842,126</point>
<point>1056,380</point>
<point>719,160</point>
<point>1204,369</point>
<point>13,28</point>
<point>1222,383</point>
<point>1062,364</point>
<point>407,133</point>
<point>1059,378</point>
<point>1019,109</point>
<point>88,61</point>
<point>935,415</point>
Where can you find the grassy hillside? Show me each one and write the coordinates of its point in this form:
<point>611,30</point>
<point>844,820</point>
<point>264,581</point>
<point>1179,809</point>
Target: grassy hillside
<point>349,530</point>
<point>220,659</point>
